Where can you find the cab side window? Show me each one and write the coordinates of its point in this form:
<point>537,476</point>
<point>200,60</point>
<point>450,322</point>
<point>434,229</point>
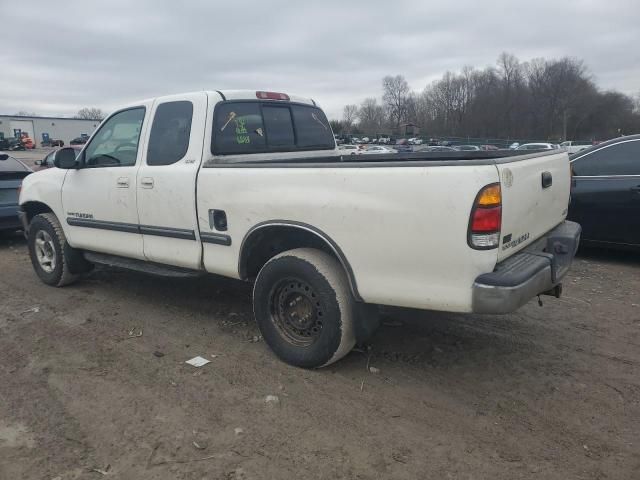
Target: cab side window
<point>116,143</point>
<point>170,133</point>
<point>620,159</point>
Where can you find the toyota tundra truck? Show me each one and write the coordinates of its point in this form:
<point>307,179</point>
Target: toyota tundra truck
<point>250,185</point>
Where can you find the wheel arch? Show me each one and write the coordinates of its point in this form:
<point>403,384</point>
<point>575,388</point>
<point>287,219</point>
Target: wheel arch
<point>32,208</point>
<point>267,239</point>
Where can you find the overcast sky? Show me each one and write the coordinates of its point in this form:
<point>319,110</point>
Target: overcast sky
<point>55,59</point>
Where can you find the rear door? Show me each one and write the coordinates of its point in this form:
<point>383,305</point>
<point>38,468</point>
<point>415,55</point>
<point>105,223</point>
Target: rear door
<point>167,181</point>
<point>605,198</point>
<point>535,197</point>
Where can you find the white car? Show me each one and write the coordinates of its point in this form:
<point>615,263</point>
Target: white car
<point>377,149</point>
<point>574,147</point>
<point>365,139</point>
<point>538,146</point>
<point>514,146</point>
<point>384,140</point>
<point>350,149</point>
<point>215,182</point>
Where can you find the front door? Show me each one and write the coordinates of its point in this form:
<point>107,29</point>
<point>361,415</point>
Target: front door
<point>605,198</point>
<point>99,198</point>
<point>167,181</point>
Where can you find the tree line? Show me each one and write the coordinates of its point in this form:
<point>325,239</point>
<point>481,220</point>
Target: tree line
<point>86,113</point>
<point>542,99</point>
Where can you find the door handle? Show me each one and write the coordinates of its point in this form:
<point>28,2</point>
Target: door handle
<point>146,182</point>
<point>122,182</point>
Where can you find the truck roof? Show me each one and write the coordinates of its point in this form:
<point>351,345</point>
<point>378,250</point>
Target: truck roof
<point>236,95</point>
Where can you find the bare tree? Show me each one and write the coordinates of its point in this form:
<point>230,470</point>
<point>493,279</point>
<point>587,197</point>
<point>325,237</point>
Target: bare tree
<point>542,99</point>
<point>371,116</point>
<point>349,116</point>
<point>395,95</point>
<point>90,114</point>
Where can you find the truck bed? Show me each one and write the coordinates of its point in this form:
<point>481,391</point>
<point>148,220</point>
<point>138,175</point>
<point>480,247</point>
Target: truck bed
<point>422,158</point>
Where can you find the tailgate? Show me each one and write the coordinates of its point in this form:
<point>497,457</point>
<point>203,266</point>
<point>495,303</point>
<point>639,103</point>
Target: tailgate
<point>530,206</point>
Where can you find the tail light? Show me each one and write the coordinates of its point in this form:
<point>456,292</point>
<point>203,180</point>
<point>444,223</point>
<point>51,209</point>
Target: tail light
<point>272,96</point>
<point>485,221</point>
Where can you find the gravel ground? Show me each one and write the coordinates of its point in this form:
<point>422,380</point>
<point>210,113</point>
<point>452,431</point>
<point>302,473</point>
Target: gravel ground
<point>93,382</point>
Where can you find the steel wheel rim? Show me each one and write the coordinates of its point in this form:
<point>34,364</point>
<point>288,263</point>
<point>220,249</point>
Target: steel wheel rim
<point>297,312</point>
<point>45,251</point>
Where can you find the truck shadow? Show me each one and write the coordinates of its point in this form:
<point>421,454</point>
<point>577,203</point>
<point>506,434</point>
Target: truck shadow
<point>12,239</point>
<point>606,255</point>
<point>406,337</point>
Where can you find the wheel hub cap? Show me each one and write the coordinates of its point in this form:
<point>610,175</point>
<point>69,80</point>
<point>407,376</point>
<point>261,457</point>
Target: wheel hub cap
<point>45,251</point>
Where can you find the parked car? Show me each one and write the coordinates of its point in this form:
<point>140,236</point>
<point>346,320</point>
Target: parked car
<point>489,148</point>
<point>438,148</point>
<point>11,144</point>
<point>384,140</point>
<point>538,146</point>
<point>377,149</point>
<point>605,192</point>
<point>302,223</point>
<point>350,149</point>
<point>575,147</point>
<point>12,172</point>
<point>52,143</point>
<point>402,146</point>
<point>514,146</point>
<point>467,148</point>
<point>49,160</point>
<point>79,141</point>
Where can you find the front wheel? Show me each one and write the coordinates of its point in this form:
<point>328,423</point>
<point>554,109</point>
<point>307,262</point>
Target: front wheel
<point>304,308</point>
<point>50,254</point>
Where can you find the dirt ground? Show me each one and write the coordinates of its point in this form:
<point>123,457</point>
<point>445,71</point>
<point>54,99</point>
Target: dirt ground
<point>93,384</point>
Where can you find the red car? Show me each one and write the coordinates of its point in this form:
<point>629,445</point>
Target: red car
<point>47,162</point>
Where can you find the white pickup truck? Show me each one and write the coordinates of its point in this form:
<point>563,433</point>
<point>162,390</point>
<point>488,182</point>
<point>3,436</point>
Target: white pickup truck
<point>250,185</point>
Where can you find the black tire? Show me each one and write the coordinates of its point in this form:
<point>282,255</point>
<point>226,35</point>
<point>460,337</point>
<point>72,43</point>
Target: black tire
<point>46,226</point>
<point>304,308</point>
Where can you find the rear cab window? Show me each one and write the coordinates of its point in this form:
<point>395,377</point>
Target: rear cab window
<point>242,127</point>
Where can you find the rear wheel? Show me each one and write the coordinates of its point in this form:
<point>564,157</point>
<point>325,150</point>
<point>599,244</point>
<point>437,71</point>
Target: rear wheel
<point>304,308</point>
<point>51,255</point>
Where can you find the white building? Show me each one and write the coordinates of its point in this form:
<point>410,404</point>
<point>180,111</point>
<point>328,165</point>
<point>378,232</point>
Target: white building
<point>57,128</point>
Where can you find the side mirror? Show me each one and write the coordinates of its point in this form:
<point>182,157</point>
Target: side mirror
<point>66,158</point>
<point>3,156</point>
